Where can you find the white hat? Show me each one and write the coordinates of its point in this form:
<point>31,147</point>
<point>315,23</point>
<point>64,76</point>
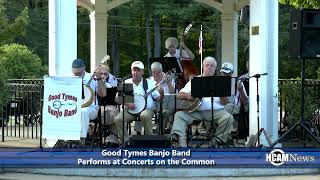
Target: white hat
<point>137,64</point>
<point>227,68</point>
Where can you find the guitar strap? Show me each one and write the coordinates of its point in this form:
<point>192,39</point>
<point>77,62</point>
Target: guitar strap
<point>145,87</point>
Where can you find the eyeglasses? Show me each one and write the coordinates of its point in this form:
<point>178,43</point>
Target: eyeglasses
<point>104,73</point>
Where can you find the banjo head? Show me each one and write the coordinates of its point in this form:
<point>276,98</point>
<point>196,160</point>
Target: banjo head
<point>88,96</point>
<point>140,103</point>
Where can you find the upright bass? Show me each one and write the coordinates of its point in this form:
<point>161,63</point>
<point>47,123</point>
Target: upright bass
<point>189,70</point>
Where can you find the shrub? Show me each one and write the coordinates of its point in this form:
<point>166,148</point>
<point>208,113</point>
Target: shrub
<point>19,62</point>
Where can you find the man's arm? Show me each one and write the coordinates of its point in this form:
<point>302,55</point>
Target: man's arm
<point>102,90</point>
<point>242,92</point>
<point>187,50</point>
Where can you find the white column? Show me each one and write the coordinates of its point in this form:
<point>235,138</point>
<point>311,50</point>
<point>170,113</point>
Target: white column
<point>98,37</point>
<point>264,59</point>
<point>229,36</point>
<point>62,36</point>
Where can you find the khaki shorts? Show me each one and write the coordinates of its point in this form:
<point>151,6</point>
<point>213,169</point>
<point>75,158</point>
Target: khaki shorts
<point>108,113</point>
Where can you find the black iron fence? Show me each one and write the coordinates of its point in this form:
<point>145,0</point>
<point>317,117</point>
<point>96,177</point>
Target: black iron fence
<point>21,116</point>
<point>290,103</point>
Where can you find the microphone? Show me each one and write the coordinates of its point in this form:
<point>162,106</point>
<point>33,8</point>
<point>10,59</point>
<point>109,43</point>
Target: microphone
<point>128,76</point>
<point>259,75</point>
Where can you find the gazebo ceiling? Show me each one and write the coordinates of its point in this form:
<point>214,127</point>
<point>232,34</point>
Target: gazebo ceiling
<point>90,4</point>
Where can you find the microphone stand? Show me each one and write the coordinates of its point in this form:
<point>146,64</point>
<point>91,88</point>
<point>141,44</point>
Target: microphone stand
<point>123,101</point>
<point>257,76</point>
<point>258,110</point>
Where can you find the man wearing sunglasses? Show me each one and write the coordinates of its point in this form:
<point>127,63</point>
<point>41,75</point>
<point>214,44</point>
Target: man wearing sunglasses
<point>108,106</point>
<point>90,112</point>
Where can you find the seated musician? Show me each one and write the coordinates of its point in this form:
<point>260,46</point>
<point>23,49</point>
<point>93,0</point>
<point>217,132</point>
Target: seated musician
<point>108,107</point>
<point>234,101</point>
<point>139,88</point>
<point>221,117</point>
<point>165,88</point>
<point>89,112</point>
<point>172,45</point>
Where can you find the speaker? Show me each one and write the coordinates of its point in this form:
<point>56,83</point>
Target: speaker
<point>150,141</point>
<point>304,36</point>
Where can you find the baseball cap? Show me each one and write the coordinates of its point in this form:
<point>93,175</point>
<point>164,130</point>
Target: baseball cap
<point>137,64</point>
<point>227,68</point>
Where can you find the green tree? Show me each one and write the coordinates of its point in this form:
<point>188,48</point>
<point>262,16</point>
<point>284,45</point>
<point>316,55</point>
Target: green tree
<point>10,30</point>
<point>2,88</point>
<point>302,3</point>
<point>19,62</point>
<point>36,35</point>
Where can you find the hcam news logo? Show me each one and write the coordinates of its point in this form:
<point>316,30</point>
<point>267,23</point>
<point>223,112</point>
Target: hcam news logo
<point>278,157</point>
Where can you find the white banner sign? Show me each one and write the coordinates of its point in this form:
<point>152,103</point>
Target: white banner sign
<point>62,107</point>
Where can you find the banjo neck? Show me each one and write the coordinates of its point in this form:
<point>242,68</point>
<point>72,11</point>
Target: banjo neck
<point>88,83</point>
<point>153,89</point>
<point>168,76</point>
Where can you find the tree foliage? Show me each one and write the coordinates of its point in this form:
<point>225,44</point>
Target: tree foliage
<point>19,62</point>
<point>9,29</point>
<point>3,93</point>
<point>302,3</point>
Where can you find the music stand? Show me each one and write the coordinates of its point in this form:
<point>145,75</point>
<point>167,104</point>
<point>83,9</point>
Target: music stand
<point>125,91</point>
<point>168,63</point>
<point>211,86</point>
<point>108,100</point>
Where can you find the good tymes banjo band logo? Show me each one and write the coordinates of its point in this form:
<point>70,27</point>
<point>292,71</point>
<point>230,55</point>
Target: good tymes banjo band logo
<point>277,157</point>
<point>62,105</point>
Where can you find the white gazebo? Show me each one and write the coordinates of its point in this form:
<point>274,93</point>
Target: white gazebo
<point>263,46</point>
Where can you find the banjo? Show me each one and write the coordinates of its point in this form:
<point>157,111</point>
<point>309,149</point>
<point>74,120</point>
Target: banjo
<point>190,106</point>
<point>87,94</point>
<point>140,101</point>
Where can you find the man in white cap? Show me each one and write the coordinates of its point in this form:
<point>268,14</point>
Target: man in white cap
<point>139,89</point>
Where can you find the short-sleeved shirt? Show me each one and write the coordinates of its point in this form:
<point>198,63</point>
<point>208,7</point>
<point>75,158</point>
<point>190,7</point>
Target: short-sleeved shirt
<point>111,81</point>
<point>206,102</point>
<point>139,90</point>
